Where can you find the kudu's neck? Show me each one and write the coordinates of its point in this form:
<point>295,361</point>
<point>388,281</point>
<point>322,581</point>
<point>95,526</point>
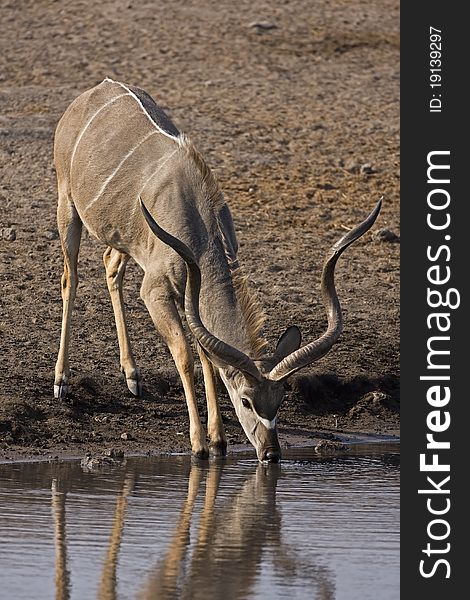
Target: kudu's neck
<point>186,189</point>
<point>225,305</point>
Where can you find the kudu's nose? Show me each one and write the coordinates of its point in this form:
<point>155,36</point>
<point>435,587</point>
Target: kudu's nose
<point>272,455</point>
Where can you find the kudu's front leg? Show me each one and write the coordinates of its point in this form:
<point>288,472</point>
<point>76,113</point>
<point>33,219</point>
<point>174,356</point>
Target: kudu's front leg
<point>168,323</point>
<point>115,264</point>
<point>215,427</point>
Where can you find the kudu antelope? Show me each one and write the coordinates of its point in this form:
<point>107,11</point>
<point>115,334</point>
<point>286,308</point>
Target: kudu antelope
<point>119,159</point>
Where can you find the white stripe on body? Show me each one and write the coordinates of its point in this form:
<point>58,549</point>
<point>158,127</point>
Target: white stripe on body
<point>178,139</point>
<point>161,163</point>
<point>166,159</point>
<point>116,170</point>
<point>88,123</point>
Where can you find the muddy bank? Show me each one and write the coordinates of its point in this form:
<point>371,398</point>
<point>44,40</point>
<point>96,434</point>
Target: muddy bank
<point>94,419</point>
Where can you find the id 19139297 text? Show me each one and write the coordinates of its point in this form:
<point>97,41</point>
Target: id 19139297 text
<point>435,69</point>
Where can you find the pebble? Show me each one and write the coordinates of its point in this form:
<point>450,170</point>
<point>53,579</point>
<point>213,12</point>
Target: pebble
<point>367,169</point>
<point>52,234</point>
<point>330,446</point>
<point>352,166</point>
<point>386,235</point>
<point>262,25</point>
<point>111,458</point>
<point>8,234</point>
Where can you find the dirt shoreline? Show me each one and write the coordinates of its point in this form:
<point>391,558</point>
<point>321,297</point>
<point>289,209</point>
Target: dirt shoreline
<point>299,121</point>
<point>336,443</point>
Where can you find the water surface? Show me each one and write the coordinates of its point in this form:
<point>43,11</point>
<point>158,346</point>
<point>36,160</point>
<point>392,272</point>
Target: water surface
<point>312,527</point>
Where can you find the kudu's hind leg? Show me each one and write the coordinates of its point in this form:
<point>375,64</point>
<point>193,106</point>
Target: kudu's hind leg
<point>215,427</point>
<point>168,323</point>
<point>70,231</point>
<point>115,264</point>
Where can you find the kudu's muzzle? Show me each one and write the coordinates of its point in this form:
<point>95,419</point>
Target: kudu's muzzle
<point>269,449</point>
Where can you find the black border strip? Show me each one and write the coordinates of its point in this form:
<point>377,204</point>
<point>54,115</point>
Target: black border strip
<point>422,132</point>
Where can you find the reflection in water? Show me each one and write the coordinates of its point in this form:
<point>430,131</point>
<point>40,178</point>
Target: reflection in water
<point>107,589</point>
<point>62,576</point>
<point>167,528</point>
<point>224,560</point>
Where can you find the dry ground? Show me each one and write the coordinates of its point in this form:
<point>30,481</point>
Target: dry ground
<point>295,106</point>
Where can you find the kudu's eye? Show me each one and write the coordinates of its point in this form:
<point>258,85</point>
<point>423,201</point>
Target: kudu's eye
<point>246,403</point>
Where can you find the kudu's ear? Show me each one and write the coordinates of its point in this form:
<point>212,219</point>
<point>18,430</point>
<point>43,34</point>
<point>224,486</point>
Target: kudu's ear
<point>289,342</point>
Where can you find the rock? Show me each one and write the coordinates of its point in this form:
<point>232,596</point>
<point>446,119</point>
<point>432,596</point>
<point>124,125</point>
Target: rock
<point>367,169</point>
<point>372,403</point>
<point>8,234</point>
<point>262,25</point>
<point>126,436</point>
<point>111,458</point>
<point>330,447</point>
<point>386,235</point>
<point>52,234</point>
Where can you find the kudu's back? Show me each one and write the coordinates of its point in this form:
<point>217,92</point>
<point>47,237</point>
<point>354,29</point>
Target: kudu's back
<point>114,145</point>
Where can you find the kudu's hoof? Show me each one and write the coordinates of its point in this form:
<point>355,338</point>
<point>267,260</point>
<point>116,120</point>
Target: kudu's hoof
<point>202,454</point>
<point>135,387</point>
<point>218,448</point>
<point>271,456</point>
<point>61,390</point>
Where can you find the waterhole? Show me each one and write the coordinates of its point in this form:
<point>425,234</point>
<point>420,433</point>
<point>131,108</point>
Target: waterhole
<point>312,527</point>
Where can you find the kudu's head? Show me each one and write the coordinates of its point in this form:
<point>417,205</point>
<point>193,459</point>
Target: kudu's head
<point>256,387</point>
